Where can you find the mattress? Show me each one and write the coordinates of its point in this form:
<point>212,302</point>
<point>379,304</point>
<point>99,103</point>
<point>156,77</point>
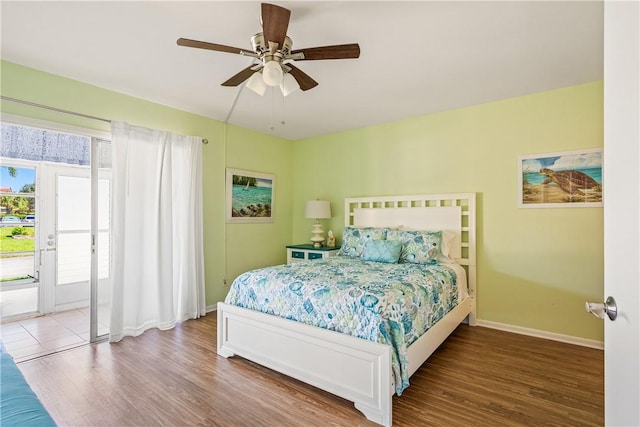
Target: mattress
<point>392,304</point>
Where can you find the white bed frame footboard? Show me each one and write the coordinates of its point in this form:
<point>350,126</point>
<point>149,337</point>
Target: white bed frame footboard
<point>355,369</point>
<point>352,368</point>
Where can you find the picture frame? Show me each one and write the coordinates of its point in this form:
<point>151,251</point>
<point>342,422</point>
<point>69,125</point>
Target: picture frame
<point>250,196</point>
<point>568,179</point>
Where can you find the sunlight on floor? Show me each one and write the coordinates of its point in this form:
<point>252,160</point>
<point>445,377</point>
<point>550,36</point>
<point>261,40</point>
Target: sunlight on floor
<point>18,301</point>
<point>38,336</point>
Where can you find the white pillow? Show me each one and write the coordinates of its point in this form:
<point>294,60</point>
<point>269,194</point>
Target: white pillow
<point>448,240</point>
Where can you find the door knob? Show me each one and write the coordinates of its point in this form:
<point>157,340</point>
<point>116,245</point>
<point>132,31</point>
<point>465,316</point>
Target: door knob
<point>609,308</point>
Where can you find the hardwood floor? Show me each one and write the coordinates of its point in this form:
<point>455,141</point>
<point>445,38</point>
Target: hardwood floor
<point>478,377</point>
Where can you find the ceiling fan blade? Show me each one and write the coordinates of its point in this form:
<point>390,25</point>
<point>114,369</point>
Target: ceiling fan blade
<point>339,51</point>
<point>275,21</point>
<point>211,46</point>
<point>240,77</point>
<point>302,78</point>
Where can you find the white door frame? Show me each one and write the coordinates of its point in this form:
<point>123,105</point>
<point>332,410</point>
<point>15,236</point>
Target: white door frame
<point>622,210</point>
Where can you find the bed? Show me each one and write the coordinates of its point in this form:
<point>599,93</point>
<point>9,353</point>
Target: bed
<point>19,405</point>
<point>360,370</point>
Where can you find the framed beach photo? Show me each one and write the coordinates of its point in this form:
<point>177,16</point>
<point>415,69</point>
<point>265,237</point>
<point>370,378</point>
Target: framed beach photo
<point>250,196</point>
<point>567,179</point>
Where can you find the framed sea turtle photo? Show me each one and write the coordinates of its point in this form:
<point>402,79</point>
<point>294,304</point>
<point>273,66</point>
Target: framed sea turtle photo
<point>561,180</point>
<point>250,196</point>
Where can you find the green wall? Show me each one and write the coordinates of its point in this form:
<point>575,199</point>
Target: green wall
<point>260,245</point>
<point>229,249</point>
<point>536,267</point>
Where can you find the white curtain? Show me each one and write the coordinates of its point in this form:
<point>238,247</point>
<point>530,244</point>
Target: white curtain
<point>158,263</point>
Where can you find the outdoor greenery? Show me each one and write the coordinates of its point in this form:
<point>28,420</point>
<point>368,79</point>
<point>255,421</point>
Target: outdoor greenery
<point>9,244</point>
<point>21,231</point>
<point>243,180</point>
<point>19,205</point>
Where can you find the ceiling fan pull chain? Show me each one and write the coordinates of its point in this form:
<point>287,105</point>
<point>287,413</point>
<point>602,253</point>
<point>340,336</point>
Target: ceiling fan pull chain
<point>282,116</point>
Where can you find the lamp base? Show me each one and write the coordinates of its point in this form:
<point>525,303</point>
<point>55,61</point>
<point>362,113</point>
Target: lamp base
<point>317,237</point>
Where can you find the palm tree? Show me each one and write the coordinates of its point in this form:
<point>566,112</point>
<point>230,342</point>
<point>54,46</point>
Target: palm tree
<point>16,205</point>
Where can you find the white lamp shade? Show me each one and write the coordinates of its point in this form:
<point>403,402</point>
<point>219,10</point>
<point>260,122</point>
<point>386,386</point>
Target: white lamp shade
<point>256,84</point>
<point>272,73</point>
<point>318,209</point>
<point>289,84</point>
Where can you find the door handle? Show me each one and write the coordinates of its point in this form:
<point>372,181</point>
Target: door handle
<point>609,307</point>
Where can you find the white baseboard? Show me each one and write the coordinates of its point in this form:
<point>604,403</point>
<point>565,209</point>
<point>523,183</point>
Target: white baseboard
<point>211,308</point>
<point>542,334</point>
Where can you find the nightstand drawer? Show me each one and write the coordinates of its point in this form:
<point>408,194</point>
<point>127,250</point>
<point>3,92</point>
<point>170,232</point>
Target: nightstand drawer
<point>298,254</point>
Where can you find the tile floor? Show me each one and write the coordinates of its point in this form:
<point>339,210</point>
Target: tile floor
<point>38,336</point>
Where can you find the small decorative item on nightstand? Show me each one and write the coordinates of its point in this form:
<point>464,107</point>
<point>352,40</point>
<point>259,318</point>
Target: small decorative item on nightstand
<point>298,253</point>
<point>331,240</point>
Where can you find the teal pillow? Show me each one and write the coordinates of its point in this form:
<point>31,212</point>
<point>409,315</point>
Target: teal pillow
<point>382,251</point>
<point>418,247</point>
<point>354,239</point>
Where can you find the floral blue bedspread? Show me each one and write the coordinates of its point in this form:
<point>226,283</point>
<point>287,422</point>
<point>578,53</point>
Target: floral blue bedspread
<point>392,304</point>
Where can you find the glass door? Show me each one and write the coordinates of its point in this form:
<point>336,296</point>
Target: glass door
<point>55,251</point>
<point>71,239</point>
<point>45,251</point>
<point>100,238</point>
<point>19,248</point>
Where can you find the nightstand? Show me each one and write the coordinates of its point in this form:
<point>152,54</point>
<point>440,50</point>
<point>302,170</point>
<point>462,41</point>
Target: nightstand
<point>297,253</point>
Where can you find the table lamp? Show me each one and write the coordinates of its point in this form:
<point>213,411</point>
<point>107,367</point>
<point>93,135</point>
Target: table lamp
<point>318,209</point>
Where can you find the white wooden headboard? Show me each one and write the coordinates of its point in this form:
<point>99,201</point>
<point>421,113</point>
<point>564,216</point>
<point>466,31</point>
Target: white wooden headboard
<point>416,218</point>
<point>455,213</point>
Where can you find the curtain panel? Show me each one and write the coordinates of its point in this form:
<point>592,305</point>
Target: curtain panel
<point>158,261</point>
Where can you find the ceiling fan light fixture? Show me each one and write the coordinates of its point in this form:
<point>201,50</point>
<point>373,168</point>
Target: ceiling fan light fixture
<point>289,84</point>
<point>257,84</point>
<point>272,73</point>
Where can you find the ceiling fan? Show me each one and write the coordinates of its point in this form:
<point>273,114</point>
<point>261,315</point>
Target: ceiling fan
<point>273,48</point>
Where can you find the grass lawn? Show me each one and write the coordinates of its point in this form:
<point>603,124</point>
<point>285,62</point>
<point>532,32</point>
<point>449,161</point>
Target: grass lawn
<point>9,244</point>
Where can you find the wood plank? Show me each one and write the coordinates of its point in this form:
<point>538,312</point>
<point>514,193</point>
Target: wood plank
<point>479,376</point>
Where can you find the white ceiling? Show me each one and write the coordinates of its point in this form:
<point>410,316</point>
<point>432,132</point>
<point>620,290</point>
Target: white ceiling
<point>417,58</point>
